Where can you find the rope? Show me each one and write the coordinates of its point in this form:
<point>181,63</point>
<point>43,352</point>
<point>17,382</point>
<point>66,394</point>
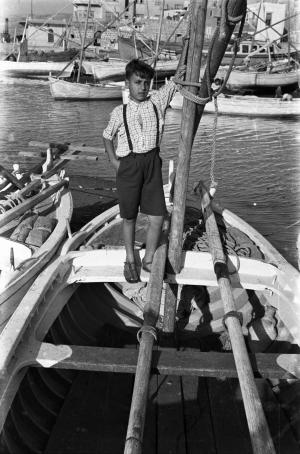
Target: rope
<point>234,314</point>
<point>234,241</point>
<point>225,19</point>
<point>213,182</point>
<point>146,329</point>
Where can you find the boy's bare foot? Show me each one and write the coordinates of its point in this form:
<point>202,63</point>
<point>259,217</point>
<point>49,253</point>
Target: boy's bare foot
<point>146,265</point>
<point>130,272</point>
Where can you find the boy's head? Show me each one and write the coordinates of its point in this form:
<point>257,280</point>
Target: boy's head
<point>140,68</point>
<point>138,78</point>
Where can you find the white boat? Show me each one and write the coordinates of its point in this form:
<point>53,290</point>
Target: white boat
<point>80,299</point>
<point>64,89</point>
<point>33,69</point>
<point>245,77</point>
<point>33,223</point>
<point>252,106</point>
<point>116,69</point>
<point>102,70</point>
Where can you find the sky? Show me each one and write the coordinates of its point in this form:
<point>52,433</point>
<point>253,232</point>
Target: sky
<point>23,7</point>
<point>16,9</point>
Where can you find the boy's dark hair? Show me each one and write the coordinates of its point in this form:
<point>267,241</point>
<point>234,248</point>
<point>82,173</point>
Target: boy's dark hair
<point>140,68</point>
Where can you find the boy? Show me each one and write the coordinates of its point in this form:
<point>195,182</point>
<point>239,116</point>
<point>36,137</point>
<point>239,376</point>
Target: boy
<point>139,127</point>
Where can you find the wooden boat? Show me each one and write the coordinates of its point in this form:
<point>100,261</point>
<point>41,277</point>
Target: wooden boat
<point>33,222</point>
<point>245,77</point>
<point>248,106</point>
<point>76,317</point>
<point>80,300</point>
<point>64,89</point>
<point>115,69</point>
<point>33,69</point>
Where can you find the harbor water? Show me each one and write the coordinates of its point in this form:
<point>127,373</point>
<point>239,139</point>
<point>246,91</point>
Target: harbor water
<point>256,163</point>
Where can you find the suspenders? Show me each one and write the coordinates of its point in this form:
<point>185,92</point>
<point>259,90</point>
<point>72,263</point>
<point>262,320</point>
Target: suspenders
<point>127,130</point>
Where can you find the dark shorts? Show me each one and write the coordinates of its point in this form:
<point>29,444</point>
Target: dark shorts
<point>140,185</point>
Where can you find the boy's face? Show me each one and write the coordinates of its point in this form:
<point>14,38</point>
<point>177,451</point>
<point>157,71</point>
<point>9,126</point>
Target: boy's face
<point>138,87</point>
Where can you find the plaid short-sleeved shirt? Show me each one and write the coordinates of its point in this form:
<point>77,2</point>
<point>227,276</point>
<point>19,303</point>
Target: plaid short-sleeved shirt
<point>142,122</point>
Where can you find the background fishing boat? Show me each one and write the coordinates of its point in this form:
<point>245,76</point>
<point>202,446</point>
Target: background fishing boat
<point>115,69</point>
<point>33,69</point>
<point>252,106</point>
<point>263,78</point>
<point>63,89</point>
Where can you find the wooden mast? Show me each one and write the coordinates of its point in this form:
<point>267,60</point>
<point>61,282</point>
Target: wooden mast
<point>191,116</point>
<point>83,40</point>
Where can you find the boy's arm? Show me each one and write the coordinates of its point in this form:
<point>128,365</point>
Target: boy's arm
<point>108,136</point>
<point>110,150</point>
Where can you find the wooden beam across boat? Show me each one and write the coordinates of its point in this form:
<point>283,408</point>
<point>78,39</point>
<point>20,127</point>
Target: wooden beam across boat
<point>105,265</point>
<point>165,361</point>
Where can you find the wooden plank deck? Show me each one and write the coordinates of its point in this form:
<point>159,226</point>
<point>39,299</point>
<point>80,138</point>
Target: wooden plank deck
<point>185,415</point>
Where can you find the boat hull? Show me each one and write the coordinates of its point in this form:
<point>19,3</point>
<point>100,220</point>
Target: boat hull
<point>15,283</point>
<point>115,69</point>
<point>34,69</point>
<point>263,79</point>
<point>62,89</point>
<point>247,106</point>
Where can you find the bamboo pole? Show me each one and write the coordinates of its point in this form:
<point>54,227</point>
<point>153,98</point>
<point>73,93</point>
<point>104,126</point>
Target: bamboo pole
<point>261,439</point>
<point>136,423</point>
<point>191,116</point>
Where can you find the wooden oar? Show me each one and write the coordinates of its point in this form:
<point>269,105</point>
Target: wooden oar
<point>68,157</point>
<point>135,429</point>
<point>70,147</point>
<point>10,177</point>
<point>15,212</point>
<point>261,439</point>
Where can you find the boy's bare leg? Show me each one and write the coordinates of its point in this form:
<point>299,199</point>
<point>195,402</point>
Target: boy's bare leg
<point>129,235</point>
<point>153,235</point>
